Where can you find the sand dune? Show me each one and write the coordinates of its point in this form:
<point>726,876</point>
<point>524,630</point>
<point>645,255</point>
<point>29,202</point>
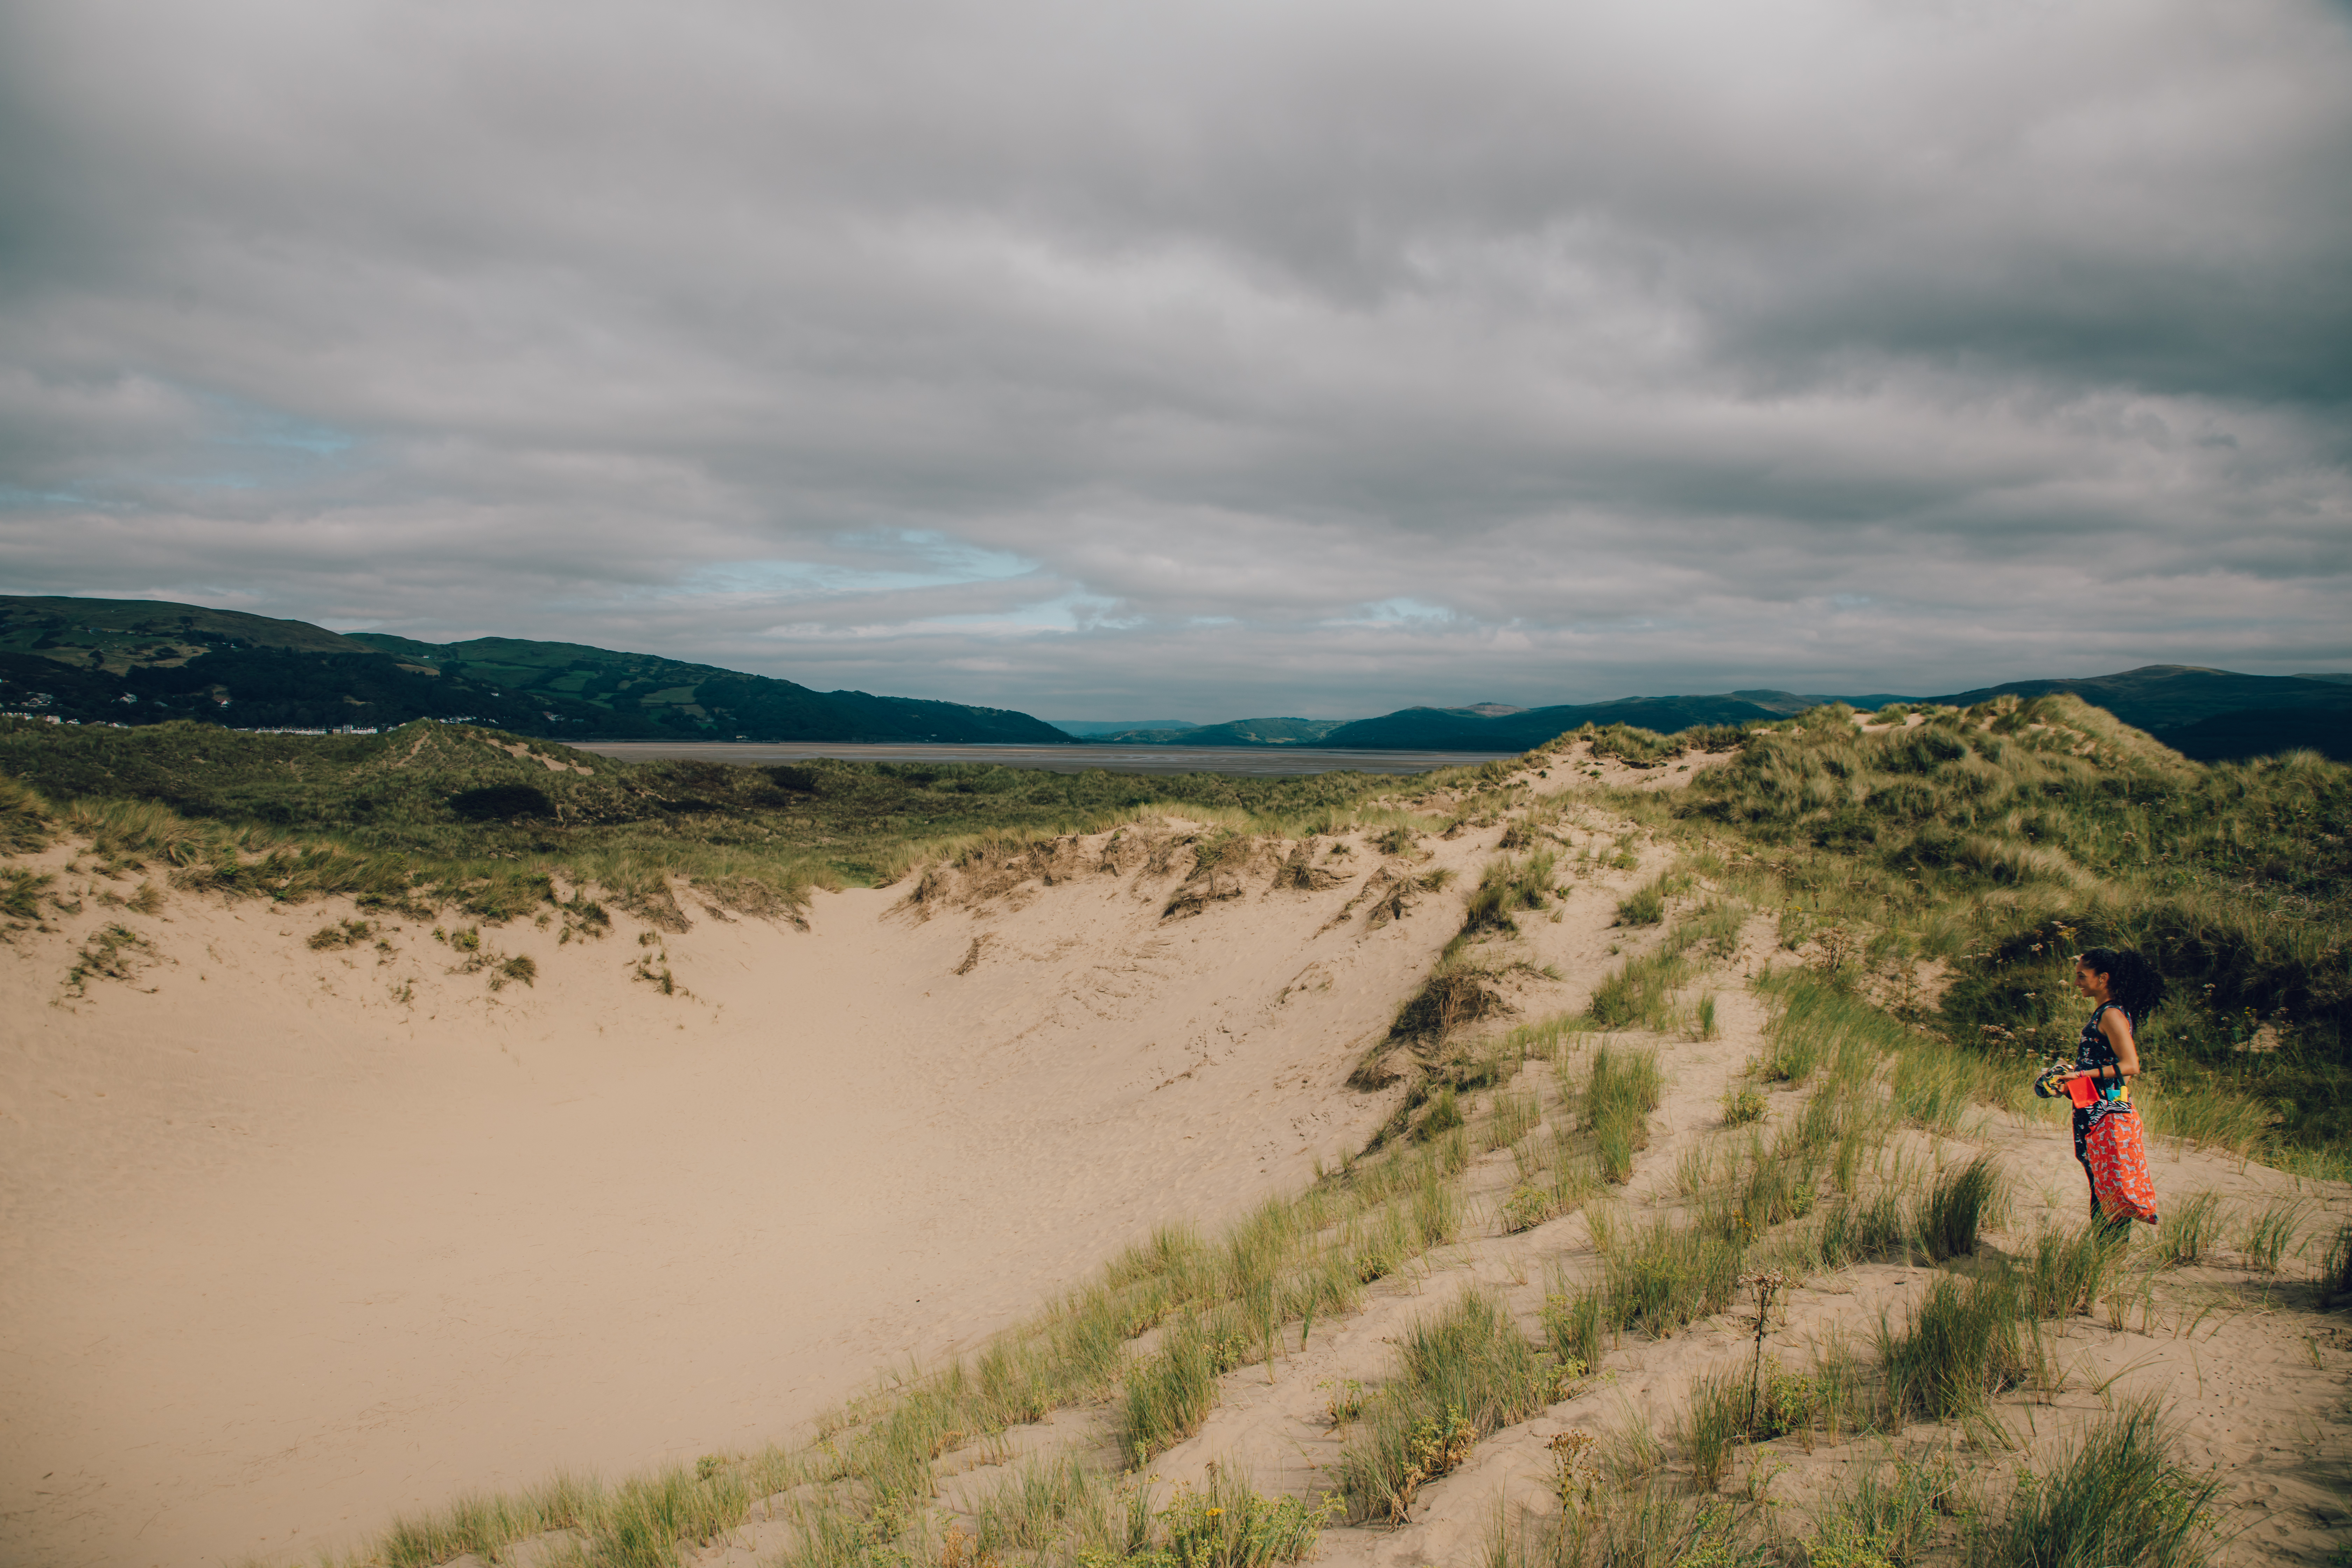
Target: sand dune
<point>298,1238</point>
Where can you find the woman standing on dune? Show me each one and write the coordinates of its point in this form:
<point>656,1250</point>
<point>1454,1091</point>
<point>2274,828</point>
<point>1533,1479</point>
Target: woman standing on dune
<point>2107,1140</point>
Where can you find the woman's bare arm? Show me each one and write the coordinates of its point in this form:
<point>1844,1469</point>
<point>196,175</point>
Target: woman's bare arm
<point>2117,1028</point>
<point>2118,1031</point>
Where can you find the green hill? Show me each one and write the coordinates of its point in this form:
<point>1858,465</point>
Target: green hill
<point>1462,730</point>
<point>1235,733</point>
<point>2161,697</point>
<point>2213,715</point>
<point>138,661</point>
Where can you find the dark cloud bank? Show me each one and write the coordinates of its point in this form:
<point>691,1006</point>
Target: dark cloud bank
<point>1209,360</point>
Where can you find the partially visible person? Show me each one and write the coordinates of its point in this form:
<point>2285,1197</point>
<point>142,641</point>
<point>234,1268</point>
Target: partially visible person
<point>2107,1140</point>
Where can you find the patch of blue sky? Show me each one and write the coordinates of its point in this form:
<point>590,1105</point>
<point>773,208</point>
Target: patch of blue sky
<point>1397,612</point>
<point>969,562</point>
<point>231,481</point>
<point>930,561</point>
<point>16,498</point>
<point>1068,612</point>
<point>251,425</point>
<point>803,579</point>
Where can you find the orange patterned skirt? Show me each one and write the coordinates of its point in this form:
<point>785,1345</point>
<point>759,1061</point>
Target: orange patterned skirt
<point>2117,1161</point>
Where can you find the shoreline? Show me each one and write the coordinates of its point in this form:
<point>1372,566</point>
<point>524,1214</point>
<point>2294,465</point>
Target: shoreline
<point>1079,756</point>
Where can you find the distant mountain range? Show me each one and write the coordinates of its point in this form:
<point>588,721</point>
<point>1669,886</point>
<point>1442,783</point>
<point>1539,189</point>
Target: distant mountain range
<point>1092,728</point>
<point>1235,732</point>
<point>2209,714</point>
<point>136,661</point>
<point>1481,727</point>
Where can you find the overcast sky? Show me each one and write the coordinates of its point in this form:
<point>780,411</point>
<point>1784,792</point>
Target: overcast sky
<point>1205,359</point>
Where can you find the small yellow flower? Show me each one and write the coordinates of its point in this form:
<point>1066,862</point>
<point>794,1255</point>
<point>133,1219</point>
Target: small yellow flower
<point>1214,1511</point>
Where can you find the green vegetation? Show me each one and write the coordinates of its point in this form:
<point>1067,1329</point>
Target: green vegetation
<point>434,813</point>
<point>2269,1232</point>
<point>2068,1273</point>
<point>1639,994</point>
<point>1998,842</point>
<point>2191,1228</point>
<point>1886,1519</point>
<point>1647,906</point>
<point>2008,837</point>
<point>1737,1406</point>
<point>1227,1525</point>
<point>1965,1343</point>
<point>1619,1095</point>
<point>1462,1374</point>
<point>1507,887</point>
<point>2335,1266</point>
<point>2119,1497</point>
<point>1963,1201</point>
<point>132,661</point>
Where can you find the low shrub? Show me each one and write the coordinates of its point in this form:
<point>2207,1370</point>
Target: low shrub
<point>2067,1273</point>
<point>1457,993</point>
<point>2269,1232</point>
<point>2120,1497</point>
<point>1227,1524</point>
<point>1965,1343</point>
<point>2335,1266</point>
<point>1461,1375</point>
<point>1744,1405</point>
<point>1619,1096</point>
<point>1963,1200</point>
<point>1645,906</point>
<point>1167,1395</point>
<point>1662,1278</point>
<point>1886,1519</point>
<point>2188,1230</point>
<point>1504,888</point>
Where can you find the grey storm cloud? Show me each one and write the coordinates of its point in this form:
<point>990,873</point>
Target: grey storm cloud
<point>1216,358</point>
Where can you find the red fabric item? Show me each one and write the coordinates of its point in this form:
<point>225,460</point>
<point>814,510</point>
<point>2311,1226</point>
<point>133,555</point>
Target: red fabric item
<point>2083,1091</point>
<point>2120,1179</point>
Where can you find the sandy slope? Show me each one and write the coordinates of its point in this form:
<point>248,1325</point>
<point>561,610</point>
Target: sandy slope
<point>2255,1378</point>
<point>285,1253</point>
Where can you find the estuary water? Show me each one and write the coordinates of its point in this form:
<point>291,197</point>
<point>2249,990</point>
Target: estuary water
<point>1252,762</point>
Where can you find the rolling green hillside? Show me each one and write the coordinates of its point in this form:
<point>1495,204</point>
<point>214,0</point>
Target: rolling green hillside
<point>1236,733</point>
<point>136,661</point>
<point>2213,715</point>
<point>2161,697</point>
<point>1456,729</point>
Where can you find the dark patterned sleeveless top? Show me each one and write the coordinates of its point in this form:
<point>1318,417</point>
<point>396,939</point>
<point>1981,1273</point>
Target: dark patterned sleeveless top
<point>2094,1052</point>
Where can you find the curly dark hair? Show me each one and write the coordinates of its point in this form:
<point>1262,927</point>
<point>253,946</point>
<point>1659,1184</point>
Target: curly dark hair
<point>2133,982</point>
